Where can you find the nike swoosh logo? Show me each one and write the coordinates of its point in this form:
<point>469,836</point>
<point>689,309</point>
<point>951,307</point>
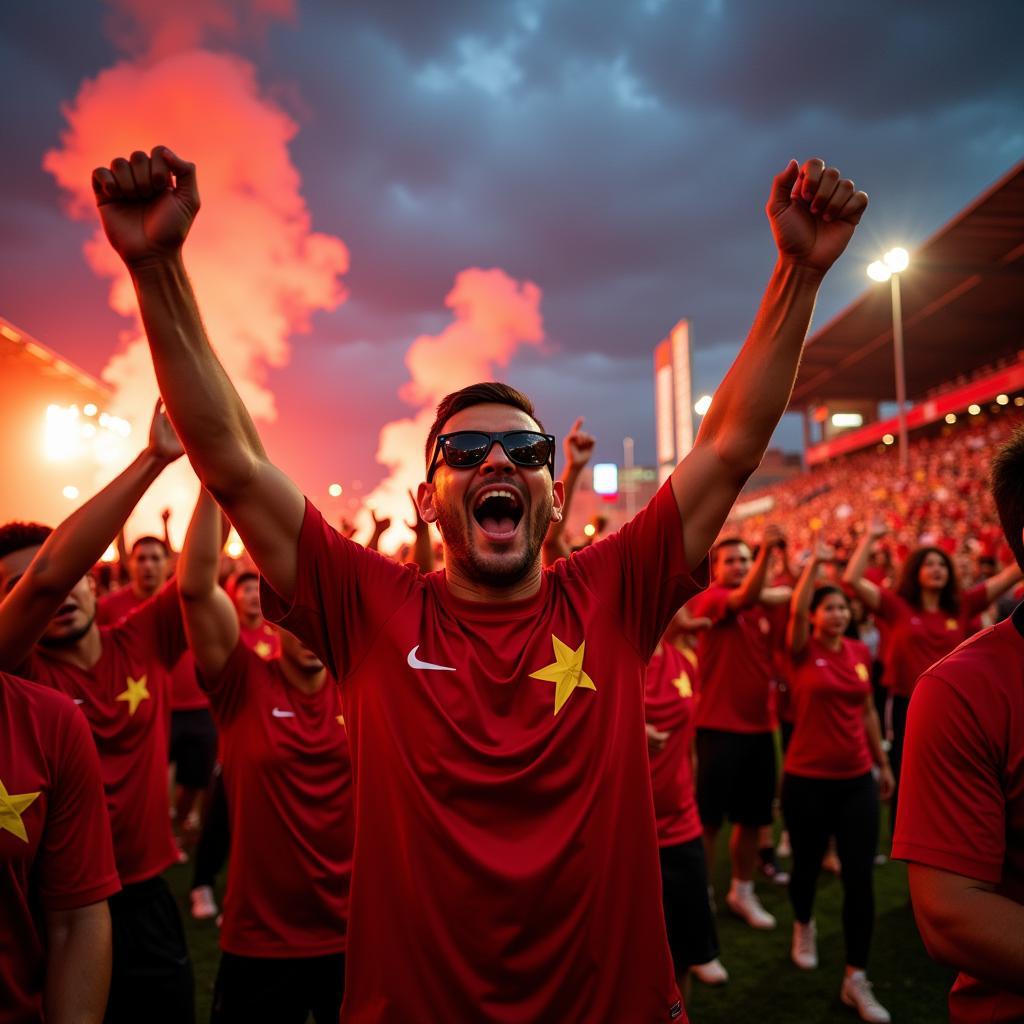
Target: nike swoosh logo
<point>415,662</point>
<point>278,713</point>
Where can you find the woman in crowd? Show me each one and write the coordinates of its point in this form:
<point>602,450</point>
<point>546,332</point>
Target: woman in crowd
<point>828,786</point>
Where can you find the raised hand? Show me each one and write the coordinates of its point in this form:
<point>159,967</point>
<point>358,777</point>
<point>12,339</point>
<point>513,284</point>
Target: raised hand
<point>813,213</point>
<point>579,445</point>
<point>773,536</point>
<point>418,524</point>
<point>147,203</point>
<point>379,525</point>
<point>163,441</point>
<point>877,528</point>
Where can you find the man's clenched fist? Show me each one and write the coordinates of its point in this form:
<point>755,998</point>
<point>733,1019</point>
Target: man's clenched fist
<point>146,203</point>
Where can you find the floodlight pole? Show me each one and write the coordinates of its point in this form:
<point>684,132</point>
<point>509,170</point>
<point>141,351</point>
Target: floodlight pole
<point>901,377</point>
<point>630,476</point>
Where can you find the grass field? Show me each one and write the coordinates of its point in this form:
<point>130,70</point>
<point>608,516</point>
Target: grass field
<point>764,986</point>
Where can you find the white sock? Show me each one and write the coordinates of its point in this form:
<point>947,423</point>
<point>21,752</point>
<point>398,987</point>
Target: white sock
<point>740,888</point>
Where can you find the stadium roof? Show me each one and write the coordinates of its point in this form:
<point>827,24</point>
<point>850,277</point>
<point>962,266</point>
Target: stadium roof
<point>963,307</point>
<point>20,351</point>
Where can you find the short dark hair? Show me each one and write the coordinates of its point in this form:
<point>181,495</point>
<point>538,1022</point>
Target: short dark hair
<point>726,542</point>
<point>243,577</point>
<point>1008,492</point>
<point>824,591</point>
<point>485,393</point>
<point>150,539</point>
<point>18,536</point>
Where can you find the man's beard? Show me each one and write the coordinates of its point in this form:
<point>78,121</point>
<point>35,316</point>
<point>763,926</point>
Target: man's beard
<point>67,639</point>
<point>480,569</point>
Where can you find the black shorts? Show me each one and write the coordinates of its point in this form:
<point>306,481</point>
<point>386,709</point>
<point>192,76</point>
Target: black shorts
<point>151,978</point>
<point>193,747</point>
<point>278,989</point>
<point>692,936</point>
<point>735,777</point>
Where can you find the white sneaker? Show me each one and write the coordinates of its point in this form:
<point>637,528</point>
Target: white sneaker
<point>204,906</point>
<point>743,902</point>
<point>856,992</point>
<point>783,849</point>
<point>711,973</point>
<point>804,952</point>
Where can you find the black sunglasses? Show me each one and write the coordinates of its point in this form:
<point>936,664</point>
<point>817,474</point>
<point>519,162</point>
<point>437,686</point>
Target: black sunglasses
<point>464,449</point>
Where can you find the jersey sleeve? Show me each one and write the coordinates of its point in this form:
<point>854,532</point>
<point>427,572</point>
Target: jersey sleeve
<point>157,625</point>
<point>75,864</point>
<point>227,690</point>
<point>952,809</point>
<point>890,607</point>
<point>344,594</point>
<point>975,600</point>
<point>712,604</point>
<point>641,570</point>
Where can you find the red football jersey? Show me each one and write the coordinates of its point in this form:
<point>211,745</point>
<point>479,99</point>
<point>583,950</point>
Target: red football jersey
<point>185,692</point>
<point>506,862</point>
<point>669,701</point>
<point>55,851</point>
<point>125,698</point>
<point>961,805</point>
<point>735,664</point>
<point>263,639</point>
<point>828,694</point>
<point>288,779</point>
<point>916,639</point>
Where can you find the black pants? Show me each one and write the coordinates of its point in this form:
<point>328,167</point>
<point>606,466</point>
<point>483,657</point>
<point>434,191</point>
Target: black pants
<point>212,848</point>
<point>692,935</point>
<point>896,722</point>
<point>816,809</point>
<point>285,991</point>
<point>152,975</point>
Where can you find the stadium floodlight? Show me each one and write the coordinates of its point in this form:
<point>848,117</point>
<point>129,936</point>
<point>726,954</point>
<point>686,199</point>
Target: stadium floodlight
<point>335,490</point>
<point>701,406</point>
<point>70,492</point>
<point>951,418</point>
<point>974,409</point>
<point>1002,399</point>
<point>889,268</point>
<point>847,419</point>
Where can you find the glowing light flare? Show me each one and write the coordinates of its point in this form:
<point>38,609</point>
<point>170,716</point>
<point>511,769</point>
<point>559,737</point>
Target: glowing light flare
<point>110,555</point>
<point>974,409</point>
<point>701,406</point>
<point>847,419</point>
<point>878,271</point>
<point>1002,399</point>
<point>897,259</point>
<point>335,490</point>
<point>606,478</point>
<point>70,492</point>
<point>590,529</point>
<point>89,409</point>
<point>1018,401</point>
<point>234,547</point>
<point>951,418</point>
<point>888,439</point>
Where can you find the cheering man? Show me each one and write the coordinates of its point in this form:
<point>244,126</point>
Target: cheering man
<point>495,710</point>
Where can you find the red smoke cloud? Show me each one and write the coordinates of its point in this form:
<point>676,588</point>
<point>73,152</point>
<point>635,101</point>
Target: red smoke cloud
<point>257,266</point>
<point>493,316</point>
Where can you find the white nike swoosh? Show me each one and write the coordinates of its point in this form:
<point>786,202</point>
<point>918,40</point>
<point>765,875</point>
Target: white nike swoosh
<point>415,662</point>
<point>278,713</point>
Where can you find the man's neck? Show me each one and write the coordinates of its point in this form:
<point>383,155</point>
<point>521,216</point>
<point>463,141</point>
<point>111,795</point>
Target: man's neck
<point>303,681</point>
<point>461,586</point>
<point>142,593</point>
<point>251,621</point>
<point>84,653</point>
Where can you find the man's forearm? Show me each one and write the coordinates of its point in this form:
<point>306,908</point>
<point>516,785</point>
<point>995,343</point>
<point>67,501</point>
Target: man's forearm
<point>78,966</point>
<point>206,410</point>
<point>200,554</point>
<point>755,392</point>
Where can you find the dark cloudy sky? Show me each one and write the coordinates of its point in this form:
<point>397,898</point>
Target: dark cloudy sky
<point>618,154</point>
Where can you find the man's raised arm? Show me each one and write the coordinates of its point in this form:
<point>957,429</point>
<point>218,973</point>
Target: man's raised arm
<point>813,213</point>
<point>147,205</point>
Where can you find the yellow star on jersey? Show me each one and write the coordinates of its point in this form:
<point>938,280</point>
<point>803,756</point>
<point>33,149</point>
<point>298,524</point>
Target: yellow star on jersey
<point>12,806</point>
<point>263,649</point>
<point>135,694</point>
<point>566,672</point>
<point>341,720</point>
<point>682,684</point>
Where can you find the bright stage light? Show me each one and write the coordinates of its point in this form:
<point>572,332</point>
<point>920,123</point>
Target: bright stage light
<point>974,409</point>
<point>1002,399</point>
<point>61,438</point>
<point>887,439</point>
<point>701,406</point>
<point>897,260</point>
<point>89,409</point>
<point>590,529</point>
<point>335,490</point>
<point>69,434</point>
<point>847,419</point>
<point>70,492</point>
<point>878,271</point>
<point>951,418</point>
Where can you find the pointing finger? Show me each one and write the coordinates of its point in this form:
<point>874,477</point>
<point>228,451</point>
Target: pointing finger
<point>576,426</point>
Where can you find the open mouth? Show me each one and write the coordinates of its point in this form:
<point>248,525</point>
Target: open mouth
<point>65,611</point>
<point>497,512</point>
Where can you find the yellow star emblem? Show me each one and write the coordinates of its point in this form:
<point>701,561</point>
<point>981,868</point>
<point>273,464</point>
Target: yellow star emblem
<point>690,656</point>
<point>341,720</point>
<point>135,694</point>
<point>12,806</point>
<point>862,672</point>
<point>682,684</point>
<point>263,649</point>
<point>952,624</point>
<point>566,672</point>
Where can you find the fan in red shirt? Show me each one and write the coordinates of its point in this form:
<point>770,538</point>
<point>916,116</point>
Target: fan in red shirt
<point>735,716</point>
<point>119,677</point>
<point>924,619</point>
<point>495,710</point>
<point>961,819</point>
<point>193,744</point>
<point>56,861</point>
<point>828,788</point>
<point>289,781</point>
<point>670,699</point>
